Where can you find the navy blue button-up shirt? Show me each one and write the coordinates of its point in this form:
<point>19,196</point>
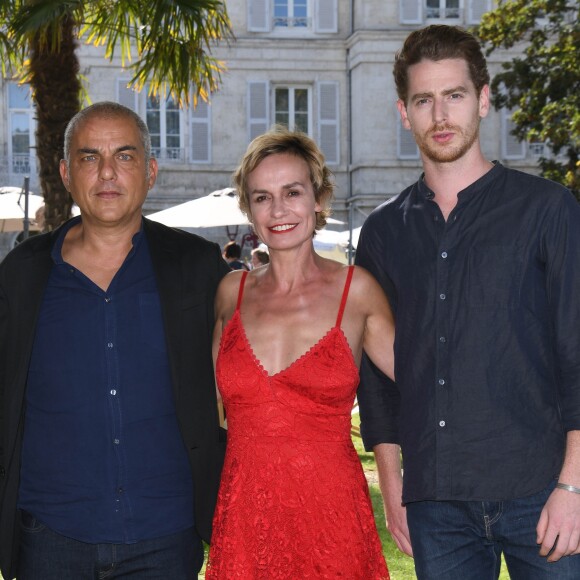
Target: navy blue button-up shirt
<point>487,348</point>
<point>103,459</point>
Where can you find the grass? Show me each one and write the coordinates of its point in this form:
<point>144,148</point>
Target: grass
<point>400,566</point>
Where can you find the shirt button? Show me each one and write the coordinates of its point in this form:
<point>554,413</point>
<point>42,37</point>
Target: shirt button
<point>110,345</point>
<point>442,296</point>
<point>441,423</point>
<point>442,339</point>
<point>116,441</point>
<point>107,299</point>
<point>444,255</point>
<point>113,392</point>
<point>441,381</point>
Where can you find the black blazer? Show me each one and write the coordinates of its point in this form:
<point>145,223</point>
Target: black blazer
<point>188,270</point>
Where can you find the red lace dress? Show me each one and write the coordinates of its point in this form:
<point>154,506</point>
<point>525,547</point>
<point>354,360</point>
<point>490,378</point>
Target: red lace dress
<point>293,501</point>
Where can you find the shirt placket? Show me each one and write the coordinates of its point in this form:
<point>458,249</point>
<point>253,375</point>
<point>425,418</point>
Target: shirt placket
<point>444,296</point>
<point>113,396</point>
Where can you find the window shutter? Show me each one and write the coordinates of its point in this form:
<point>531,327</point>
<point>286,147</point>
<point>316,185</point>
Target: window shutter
<point>511,147</point>
<point>326,16</point>
<point>406,145</point>
<point>410,11</point>
<point>259,15</point>
<point>126,96</point>
<point>258,111</point>
<point>476,9</point>
<point>200,133</point>
<point>328,126</point>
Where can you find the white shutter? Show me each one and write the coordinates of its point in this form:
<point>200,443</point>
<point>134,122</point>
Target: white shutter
<point>258,110</point>
<point>511,147</point>
<point>476,9</point>
<point>259,15</point>
<point>406,145</point>
<point>200,133</point>
<point>328,126</point>
<point>126,96</point>
<point>326,19</point>
<point>411,11</point>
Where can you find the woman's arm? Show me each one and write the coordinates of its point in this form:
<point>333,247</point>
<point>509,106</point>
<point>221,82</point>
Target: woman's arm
<point>379,332</point>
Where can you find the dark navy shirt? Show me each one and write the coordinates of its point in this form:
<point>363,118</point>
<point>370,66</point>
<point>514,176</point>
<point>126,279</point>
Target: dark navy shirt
<point>103,459</point>
<point>487,348</point>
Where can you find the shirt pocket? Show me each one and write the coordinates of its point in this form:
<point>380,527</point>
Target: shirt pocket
<point>493,278</point>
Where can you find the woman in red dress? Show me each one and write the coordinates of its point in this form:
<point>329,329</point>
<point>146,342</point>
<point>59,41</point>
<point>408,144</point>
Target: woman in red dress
<point>293,501</point>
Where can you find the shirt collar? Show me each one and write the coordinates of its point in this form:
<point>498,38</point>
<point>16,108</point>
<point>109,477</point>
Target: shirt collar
<point>423,191</point>
<point>56,253</point>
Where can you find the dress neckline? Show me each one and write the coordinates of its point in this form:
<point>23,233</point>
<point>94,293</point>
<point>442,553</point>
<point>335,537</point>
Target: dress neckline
<point>318,344</point>
<point>336,328</point>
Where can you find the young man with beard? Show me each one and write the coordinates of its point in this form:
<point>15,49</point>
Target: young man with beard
<point>480,263</point>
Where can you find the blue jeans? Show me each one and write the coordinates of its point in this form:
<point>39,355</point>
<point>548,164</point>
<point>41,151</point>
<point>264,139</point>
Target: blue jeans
<point>46,555</point>
<point>464,540</point>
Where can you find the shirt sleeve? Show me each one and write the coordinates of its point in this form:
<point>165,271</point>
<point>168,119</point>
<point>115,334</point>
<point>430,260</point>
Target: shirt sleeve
<point>561,249</point>
<point>378,396</point>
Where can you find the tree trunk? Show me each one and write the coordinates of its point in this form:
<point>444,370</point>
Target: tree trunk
<point>56,89</point>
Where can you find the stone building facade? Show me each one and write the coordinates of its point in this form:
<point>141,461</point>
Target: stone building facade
<point>321,65</point>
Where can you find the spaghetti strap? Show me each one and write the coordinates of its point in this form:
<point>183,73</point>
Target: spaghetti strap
<point>241,289</point>
<point>344,295</point>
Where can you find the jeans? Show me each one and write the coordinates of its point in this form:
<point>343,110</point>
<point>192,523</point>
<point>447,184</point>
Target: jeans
<point>464,540</point>
<point>46,555</point>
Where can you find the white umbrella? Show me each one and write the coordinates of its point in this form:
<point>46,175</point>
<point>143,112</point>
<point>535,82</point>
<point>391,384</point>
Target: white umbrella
<point>355,236</point>
<point>219,208</point>
<point>12,209</point>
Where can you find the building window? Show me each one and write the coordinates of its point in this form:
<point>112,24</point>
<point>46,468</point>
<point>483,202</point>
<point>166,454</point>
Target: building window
<point>538,149</point>
<point>465,11</point>
<point>300,16</point>
<point>291,108</point>
<point>443,9</point>
<point>512,147</point>
<point>200,132</point>
<point>163,118</point>
<point>291,13</point>
<point>21,128</point>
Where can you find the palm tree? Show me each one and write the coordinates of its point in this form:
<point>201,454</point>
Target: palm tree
<point>164,43</point>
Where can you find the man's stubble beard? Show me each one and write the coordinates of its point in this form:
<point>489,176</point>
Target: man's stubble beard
<point>448,153</point>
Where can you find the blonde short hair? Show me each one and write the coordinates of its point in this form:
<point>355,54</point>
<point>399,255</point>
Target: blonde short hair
<point>281,140</point>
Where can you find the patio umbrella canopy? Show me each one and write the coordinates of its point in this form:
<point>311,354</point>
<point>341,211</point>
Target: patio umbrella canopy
<point>12,209</point>
<point>219,208</point>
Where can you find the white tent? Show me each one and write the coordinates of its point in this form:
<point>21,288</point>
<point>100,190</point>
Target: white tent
<point>219,208</point>
<point>12,205</point>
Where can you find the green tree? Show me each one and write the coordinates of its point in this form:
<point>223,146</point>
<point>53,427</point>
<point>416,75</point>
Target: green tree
<point>543,85</point>
<point>164,43</point>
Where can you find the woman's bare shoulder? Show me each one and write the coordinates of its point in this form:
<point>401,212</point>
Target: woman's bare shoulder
<point>364,285</point>
<point>227,292</point>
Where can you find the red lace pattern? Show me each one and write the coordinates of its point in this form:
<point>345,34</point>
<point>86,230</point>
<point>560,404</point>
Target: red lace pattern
<point>293,501</point>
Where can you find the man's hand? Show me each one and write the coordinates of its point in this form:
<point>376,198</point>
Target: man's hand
<point>559,525</point>
<point>396,517</point>
<point>388,461</point>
